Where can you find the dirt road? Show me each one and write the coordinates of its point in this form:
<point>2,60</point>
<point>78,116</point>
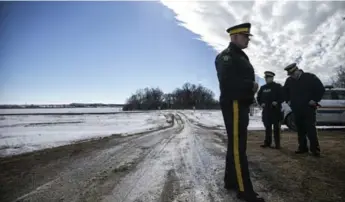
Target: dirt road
<point>182,163</point>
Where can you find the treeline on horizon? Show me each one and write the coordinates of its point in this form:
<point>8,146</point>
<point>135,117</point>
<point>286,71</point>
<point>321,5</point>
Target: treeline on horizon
<point>186,97</point>
<point>72,105</point>
<point>191,96</point>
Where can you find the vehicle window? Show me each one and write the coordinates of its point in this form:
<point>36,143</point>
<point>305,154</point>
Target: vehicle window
<point>327,95</point>
<point>334,95</point>
<point>341,95</point>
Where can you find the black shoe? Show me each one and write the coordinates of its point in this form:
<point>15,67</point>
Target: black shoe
<point>254,197</point>
<point>264,146</point>
<point>299,151</point>
<point>229,187</point>
<point>316,154</point>
<point>277,147</point>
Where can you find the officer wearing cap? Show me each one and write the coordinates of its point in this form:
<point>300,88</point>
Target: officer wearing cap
<point>237,88</point>
<point>270,98</point>
<point>303,91</point>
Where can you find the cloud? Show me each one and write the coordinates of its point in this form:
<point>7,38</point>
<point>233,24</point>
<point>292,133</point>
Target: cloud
<point>310,33</point>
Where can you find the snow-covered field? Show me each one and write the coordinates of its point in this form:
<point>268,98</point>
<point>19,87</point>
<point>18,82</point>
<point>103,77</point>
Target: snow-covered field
<point>214,118</point>
<point>52,127</point>
<point>25,133</point>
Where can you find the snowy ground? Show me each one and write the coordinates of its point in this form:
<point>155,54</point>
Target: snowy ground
<point>45,128</point>
<point>183,162</point>
<point>214,119</point>
<point>42,129</point>
<point>25,133</point>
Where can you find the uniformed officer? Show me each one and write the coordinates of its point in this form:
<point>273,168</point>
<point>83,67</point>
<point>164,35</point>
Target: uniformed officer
<point>270,98</point>
<point>237,88</point>
<point>303,91</point>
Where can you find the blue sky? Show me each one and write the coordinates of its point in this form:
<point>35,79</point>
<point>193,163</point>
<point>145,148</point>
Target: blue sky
<point>63,52</point>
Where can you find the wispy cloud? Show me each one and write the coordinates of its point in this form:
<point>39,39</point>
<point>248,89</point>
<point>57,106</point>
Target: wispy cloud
<point>310,33</point>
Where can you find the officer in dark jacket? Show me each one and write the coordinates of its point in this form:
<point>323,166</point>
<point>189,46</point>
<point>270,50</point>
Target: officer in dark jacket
<point>270,98</point>
<point>237,88</point>
<point>303,91</point>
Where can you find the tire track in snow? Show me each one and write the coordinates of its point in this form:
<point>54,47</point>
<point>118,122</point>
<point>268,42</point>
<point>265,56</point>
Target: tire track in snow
<point>179,170</point>
<point>144,183</point>
<point>201,180</point>
<point>83,175</point>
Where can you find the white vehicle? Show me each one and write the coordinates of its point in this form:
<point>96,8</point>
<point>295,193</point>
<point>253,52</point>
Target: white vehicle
<point>330,113</point>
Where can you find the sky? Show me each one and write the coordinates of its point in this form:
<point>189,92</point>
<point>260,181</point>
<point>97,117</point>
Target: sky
<point>64,52</point>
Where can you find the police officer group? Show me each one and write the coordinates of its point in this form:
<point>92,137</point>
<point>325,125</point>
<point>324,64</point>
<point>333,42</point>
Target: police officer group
<point>302,91</point>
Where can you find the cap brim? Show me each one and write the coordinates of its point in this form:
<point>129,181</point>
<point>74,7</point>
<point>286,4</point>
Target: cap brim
<point>290,73</point>
<point>249,34</point>
<point>245,33</point>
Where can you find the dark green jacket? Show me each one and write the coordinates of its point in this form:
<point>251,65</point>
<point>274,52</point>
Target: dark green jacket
<point>235,75</point>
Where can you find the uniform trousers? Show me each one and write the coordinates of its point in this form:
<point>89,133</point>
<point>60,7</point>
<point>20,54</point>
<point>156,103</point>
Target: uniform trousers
<point>272,117</point>
<point>236,119</point>
<point>305,119</point>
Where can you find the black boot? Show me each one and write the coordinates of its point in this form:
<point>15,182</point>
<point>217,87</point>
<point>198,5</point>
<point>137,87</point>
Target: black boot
<point>229,186</point>
<point>301,151</point>
<point>316,154</point>
<point>254,197</point>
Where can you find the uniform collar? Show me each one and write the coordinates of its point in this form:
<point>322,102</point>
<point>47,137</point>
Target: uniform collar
<point>270,84</point>
<point>302,72</point>
<point>234,47</point>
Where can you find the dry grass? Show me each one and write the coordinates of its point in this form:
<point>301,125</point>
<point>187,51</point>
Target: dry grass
<point>301,178</point>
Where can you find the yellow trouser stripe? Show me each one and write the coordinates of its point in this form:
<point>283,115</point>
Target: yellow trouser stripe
<point>236,146</point>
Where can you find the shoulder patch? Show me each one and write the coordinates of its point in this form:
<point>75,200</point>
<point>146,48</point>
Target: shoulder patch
<point>226,58</point>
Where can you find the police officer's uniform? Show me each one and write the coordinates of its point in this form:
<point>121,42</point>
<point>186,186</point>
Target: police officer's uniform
<point>299,92</point>
<point>236,81</point>
<point>271,96</point>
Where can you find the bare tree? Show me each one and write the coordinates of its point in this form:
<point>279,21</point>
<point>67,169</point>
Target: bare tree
<point>187,97</point>
<point>339,79</point>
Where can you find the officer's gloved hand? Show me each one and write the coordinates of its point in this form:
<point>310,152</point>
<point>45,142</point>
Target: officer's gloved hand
<point>312,103</point>
<point>263,105</point>
<point>274,103</point>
